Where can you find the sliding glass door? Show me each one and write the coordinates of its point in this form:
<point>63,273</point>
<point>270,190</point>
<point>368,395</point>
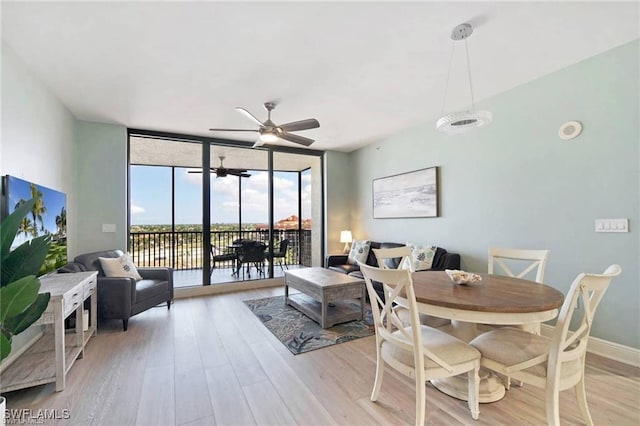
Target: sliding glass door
<point>239,209</point>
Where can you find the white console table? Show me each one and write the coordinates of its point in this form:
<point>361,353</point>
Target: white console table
<point>50,358</point>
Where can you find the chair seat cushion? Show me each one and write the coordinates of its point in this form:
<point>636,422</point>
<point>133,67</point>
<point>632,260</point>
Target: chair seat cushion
<point>148,289</point>
<point>451,349</point>
<point>511,346</point>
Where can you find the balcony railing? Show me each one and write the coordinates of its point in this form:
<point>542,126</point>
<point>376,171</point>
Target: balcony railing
<point>182,250</point>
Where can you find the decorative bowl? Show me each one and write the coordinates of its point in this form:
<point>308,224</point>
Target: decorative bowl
<point>462,277</point>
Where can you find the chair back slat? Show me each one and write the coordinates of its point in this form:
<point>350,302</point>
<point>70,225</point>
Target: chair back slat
<point>534,259</point>
<point>589,288</point>
<point>403,253</point>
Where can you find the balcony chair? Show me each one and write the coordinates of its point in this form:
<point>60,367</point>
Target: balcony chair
<point>400,257</point>
<point>251,253</point>
<point>281,254</point>
<point>228,255</point>
<point>553,363</point>
<point>417,351</point>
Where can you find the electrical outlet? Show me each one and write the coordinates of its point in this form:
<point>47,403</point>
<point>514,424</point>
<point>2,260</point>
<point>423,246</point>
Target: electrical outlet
<point>108,227</point>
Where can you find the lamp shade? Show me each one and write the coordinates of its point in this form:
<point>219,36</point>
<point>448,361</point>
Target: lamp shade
<point>345,237</point>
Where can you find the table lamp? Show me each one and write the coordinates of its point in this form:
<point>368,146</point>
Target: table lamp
<point>346,238</point>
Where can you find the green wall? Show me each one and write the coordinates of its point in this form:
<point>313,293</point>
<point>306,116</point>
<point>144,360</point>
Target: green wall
<point>337,196</point>
<point>517,184</point>
<point>101,167</point>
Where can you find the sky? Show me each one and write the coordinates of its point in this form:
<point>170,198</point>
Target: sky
<point>151,196</point>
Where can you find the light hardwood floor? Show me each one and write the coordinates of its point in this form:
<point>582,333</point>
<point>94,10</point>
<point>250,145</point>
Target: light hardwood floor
<point>209,361</point>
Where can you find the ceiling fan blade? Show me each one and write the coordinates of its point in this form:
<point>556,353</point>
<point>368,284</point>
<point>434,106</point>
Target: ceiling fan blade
<point>250,116</point>
<point>296,139</point>
<point>310,123</point>
<point>245,175</point>
<point>234,130</point>
<point>200,170</point>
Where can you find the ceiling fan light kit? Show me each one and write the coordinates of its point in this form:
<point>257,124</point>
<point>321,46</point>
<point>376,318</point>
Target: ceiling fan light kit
<point>268,137</point>
<point>461,121</point>
<point>270,132</point>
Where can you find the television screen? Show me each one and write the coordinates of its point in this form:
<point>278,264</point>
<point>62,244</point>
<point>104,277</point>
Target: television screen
<point>48,217</point>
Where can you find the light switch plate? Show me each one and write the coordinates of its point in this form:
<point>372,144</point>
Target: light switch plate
<point>612,225</point>
<point>108,227</point>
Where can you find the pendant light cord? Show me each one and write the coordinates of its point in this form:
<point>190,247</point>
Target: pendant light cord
<point>446,87</point>
<point>466,47</point>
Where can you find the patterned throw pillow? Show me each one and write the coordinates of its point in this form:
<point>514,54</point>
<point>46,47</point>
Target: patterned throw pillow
<point>421,257</point>
<point>119,267</point>
<point>359,252</point>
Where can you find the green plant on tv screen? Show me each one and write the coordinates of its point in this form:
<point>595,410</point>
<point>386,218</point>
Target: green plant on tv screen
<point>21,304</point>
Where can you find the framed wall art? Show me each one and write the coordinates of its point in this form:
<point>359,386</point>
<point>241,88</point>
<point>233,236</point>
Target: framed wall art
<point>411,194</point>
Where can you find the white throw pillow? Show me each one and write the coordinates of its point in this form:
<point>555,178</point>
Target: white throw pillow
<point>359,252</point>
<point>421,257</point>
<point>119,267</point>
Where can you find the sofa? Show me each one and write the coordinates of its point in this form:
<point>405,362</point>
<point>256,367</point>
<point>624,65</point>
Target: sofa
<point>122,298</point>
<point>441,260</point>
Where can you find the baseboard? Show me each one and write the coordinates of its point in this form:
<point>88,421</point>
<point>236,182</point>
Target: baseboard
<point>604,348</point>
<point>206,290</point>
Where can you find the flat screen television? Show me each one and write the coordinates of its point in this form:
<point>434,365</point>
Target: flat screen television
<point>48,217</point>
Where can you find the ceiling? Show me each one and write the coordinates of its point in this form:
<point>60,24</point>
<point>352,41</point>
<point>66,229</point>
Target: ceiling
<point>364,70</point>
<point>153,152</point>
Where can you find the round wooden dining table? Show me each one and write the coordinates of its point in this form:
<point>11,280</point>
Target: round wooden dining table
<point>495,299</point>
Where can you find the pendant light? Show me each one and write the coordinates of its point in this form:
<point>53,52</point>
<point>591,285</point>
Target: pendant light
<point>461,121</point>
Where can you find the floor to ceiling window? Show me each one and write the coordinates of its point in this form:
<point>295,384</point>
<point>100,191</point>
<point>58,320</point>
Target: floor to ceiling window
<point>165,211</point>
<point>261,196</point>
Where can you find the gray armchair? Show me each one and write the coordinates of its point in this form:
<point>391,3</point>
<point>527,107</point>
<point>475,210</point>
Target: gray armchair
<point>122,298</point>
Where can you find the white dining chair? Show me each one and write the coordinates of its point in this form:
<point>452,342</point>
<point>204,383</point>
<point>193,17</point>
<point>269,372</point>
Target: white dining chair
<point>553,363</point>
<point>530,259</point>
<point>502,261</point>
<point>401,256</point>
<point>417,351</point>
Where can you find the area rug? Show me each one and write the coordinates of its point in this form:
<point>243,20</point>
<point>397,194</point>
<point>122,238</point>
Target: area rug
<point>300,333</point>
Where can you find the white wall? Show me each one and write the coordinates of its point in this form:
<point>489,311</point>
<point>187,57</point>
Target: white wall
<point>517,184</point>
<point>37,143</point>
<point>37,134</point>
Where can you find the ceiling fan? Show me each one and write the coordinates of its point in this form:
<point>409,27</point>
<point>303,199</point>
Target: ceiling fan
<point>222,171</point>
<point>270,132</point>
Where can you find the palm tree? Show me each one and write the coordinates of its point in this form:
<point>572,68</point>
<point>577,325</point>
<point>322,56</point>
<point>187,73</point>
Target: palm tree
<point>61,221</point>
<point>39,209</point>
<point>25,227</point>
